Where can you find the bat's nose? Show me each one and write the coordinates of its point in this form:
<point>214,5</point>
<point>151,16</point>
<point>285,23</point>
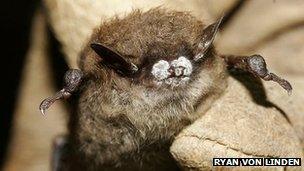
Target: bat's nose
<point>171,72</point>
<point>176,71</point>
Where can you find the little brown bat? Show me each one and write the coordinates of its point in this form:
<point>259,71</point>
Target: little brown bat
<point>142,79</point>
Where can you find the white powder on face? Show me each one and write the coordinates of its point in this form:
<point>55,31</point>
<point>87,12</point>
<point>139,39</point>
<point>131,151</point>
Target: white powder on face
<point>160,70</point>
<point>182,62</point>
<point>182,68</point>
<point>169,81</point>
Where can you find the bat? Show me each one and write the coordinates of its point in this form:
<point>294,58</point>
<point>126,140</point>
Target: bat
<point>142,79</point>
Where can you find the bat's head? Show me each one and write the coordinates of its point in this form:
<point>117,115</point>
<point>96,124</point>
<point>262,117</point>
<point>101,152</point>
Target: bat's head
<point>156,49</point>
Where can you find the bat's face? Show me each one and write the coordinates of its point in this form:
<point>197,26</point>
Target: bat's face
<point>169,67</point>
<point>155,49</point>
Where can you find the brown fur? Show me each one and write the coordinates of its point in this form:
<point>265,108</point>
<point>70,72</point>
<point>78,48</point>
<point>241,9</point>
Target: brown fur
<point>126,122</point>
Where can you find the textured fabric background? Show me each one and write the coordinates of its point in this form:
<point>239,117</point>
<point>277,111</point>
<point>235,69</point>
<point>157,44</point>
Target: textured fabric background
<point>272,28</point>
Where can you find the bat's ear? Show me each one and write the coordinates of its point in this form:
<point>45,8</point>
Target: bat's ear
<point>114,60</point>
<point>207,38</point>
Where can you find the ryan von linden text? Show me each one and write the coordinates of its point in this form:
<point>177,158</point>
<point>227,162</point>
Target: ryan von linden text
<point>256,161</point>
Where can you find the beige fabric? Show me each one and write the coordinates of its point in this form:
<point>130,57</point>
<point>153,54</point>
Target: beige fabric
<point>271,28</point>
<point>237,127</point>
<point>285,52</point>
<point>260,20</point>
<point>33,134</point>
<point>73,21</point>
<point>293,105</point>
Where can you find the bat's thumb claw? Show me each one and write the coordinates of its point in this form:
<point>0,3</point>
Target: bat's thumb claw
<point>289,92</point>
<point>287,86</point>
<point>44,105</point>
<point>42,112</point>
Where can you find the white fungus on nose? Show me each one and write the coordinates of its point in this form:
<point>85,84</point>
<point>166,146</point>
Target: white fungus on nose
<point>182,64</point>
<point>160,70</point>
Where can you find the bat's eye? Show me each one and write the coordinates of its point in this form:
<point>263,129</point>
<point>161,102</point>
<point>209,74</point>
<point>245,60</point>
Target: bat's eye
<point>172,73</point>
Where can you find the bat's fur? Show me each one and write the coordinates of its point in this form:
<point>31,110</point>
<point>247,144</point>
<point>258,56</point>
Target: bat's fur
<point>127,119</point>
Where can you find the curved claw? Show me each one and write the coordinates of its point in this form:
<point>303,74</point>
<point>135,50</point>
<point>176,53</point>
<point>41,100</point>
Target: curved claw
<point>72,79</point>
<point>282,82</point>
<point>46,103</point>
